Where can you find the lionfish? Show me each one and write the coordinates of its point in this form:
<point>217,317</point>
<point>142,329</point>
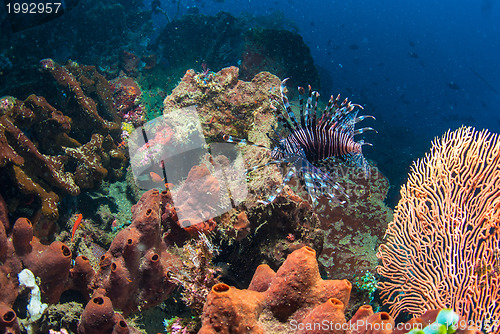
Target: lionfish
<point>315,145</point>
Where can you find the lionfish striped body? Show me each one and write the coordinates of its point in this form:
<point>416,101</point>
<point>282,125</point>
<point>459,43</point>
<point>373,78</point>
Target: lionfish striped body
<point>315,144</point>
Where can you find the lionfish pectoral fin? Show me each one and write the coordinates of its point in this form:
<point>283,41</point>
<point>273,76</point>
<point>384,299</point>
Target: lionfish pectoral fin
<point>280,188</point>
<point>274,162</point>
<point>363,117</point>
<point>341,191</point>
<point>336,200</point>
<point>362,130</point>
<point>361,162</point>
<point>236,141</point>
<point>266,202</point>
<point>337,194</point>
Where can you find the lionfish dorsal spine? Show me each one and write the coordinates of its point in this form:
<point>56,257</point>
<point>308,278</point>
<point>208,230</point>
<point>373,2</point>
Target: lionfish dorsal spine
<point>286,104</point>
<point>303,116</point>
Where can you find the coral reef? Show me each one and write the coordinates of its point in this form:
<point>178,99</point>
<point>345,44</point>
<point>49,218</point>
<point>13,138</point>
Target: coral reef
<point>296,299</point>
<point>227,105</point>
<point>90,104</point>
<point>197,274</point>
<point>61,317</point>
<point>127,100</point>
<point>134,270</point>
<point>296,286</point>
<point>132,275</point>
<point>50,263</point>
<point>293,291</point>
<point>100,318</point>
<point>106,29</point>
<point>129,63</point>
<point>46,154</point>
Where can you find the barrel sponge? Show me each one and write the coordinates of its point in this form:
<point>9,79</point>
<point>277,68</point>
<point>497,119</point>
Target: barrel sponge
<point>8,284</point>
<point>380,323</point>
<point>360,317</point>
<point>81,276</point>
<point>230,310</point>
<point>8,320</point>
<point>120,284</point>
<point>331,312</point>
<point>98,315</point>
<point>262,278</point>
<point>52,267</point>
<point>22,234</point>
<point>120,325</point>
<point>4,213</point>
<point>3,243</point>
<point>298,284</point>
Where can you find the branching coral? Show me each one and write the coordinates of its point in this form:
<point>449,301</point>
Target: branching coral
<point>46,153</point>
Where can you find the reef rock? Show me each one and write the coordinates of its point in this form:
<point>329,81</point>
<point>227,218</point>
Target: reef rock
<point>227,105</point>
<point>355,229</point>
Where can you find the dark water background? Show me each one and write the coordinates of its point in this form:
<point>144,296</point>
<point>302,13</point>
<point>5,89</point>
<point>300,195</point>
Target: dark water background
<point>420,67</point>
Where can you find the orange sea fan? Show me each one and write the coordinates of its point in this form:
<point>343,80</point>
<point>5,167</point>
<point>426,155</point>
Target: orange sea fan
<point>443,247</point>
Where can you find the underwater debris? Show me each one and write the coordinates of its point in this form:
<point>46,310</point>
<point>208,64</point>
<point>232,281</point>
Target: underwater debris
<point>315,147</point>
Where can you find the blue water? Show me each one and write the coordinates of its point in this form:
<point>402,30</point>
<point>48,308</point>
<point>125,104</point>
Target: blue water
<point>452,39</point>
<point>419,67</point>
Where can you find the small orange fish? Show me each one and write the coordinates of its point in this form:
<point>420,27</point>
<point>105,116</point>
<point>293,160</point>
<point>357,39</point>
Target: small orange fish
<point>155,177</point>
<point>75,225</point>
